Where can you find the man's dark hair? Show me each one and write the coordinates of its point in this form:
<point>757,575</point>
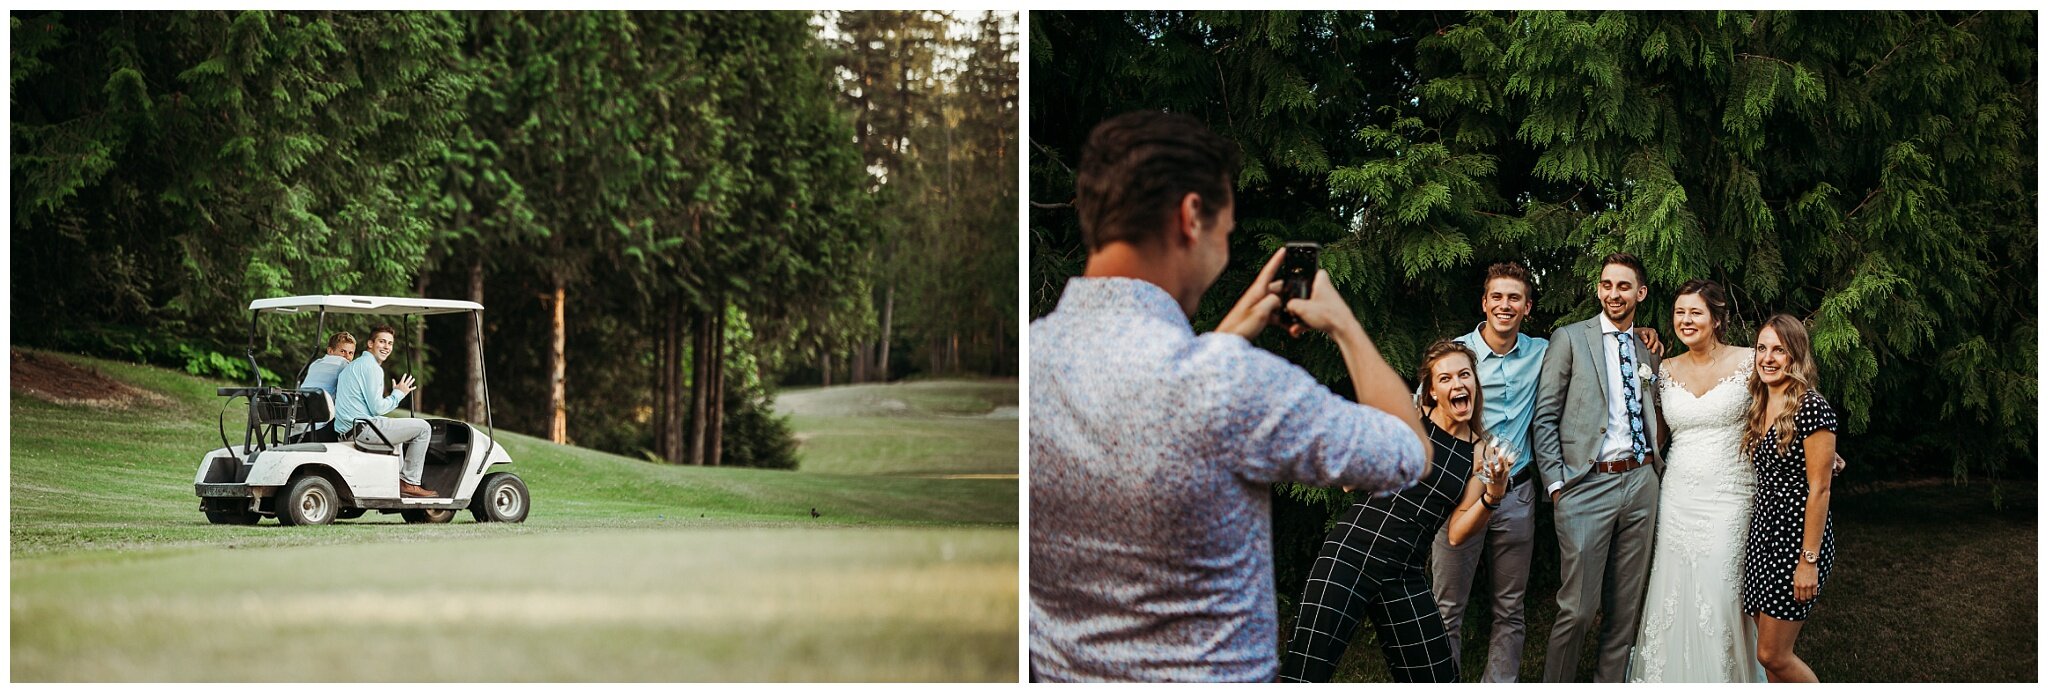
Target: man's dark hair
<point>1136,167</point>
<point>341,338</point>
<point>1630,261</point>
<point>1510,270</point>
<point>383,329</point>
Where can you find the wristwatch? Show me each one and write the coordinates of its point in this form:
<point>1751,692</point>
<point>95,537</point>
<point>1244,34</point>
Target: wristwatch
<point>1809,556</point>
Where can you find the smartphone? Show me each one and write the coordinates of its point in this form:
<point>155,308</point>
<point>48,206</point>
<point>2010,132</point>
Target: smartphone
<point>1297,275</point>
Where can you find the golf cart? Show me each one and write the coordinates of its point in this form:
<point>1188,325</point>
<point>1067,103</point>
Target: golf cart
<point>291,466</point>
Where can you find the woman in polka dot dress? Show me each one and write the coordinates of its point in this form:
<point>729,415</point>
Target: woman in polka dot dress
<point>1790,437</point>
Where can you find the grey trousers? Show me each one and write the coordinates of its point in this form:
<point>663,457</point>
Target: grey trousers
<point>411,435</point>
<point>1605,526</point>
<point>1506,547</point>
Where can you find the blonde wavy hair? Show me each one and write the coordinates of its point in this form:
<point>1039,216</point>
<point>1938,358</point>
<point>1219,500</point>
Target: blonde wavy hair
<point>1800,368</point>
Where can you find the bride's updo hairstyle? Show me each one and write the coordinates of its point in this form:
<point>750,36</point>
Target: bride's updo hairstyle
<point>1717,303</point>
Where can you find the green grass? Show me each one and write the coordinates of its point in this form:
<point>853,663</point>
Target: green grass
<point>933,429</point>
<point>1930,584</point>
<point>764,604</point>
<point>720,573</point>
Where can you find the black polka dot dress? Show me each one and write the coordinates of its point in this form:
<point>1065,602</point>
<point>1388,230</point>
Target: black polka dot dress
<point>1777,530</point>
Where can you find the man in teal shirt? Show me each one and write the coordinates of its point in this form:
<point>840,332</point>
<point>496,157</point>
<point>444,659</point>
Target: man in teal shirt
<point>358,398</point>
<point>1509,363</point>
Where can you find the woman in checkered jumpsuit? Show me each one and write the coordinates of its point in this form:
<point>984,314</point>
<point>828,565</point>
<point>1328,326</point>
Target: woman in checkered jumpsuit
<point>1372,562</point>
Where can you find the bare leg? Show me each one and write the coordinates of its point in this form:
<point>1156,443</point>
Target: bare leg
<point>1774,640</point>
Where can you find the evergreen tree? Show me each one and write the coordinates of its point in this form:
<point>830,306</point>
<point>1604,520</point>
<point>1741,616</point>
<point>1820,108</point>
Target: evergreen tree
<point>168,166</point>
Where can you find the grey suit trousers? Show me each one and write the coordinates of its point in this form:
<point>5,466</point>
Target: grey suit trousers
<point>1506,547</point>
<point>1605,525</point>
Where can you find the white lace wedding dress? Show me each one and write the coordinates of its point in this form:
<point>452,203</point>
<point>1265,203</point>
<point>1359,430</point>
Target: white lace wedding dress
<point>1693,627</point>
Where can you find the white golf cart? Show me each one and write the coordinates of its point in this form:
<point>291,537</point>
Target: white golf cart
<point>291,466</point>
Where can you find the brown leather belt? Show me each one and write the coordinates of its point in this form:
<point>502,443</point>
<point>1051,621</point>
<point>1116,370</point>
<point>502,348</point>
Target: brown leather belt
<point>1619,466</point>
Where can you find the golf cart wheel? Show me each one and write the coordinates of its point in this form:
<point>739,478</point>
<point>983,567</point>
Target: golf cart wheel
<point>232,517</point>
<point>428,517</point>
<point>349,513</point>
<point>502,497</point>
<point>308,500</point>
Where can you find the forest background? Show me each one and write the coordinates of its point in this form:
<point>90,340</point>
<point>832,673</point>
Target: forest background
<point>666,214</point>
<point>1871,172</point>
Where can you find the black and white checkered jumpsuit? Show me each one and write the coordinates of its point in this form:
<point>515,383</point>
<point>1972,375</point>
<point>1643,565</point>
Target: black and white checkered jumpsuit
<point>1372,568</point>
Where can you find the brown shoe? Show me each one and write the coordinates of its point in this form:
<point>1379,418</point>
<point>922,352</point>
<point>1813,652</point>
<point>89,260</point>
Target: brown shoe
<point>413,491</point>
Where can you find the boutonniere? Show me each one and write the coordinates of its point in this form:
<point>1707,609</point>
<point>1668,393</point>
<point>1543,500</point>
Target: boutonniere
<point>1644,374</point>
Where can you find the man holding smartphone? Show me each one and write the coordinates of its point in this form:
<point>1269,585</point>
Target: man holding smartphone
<point>1153,449</point>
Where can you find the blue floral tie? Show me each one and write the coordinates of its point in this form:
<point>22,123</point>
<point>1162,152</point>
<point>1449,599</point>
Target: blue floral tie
<point>1628,395</point>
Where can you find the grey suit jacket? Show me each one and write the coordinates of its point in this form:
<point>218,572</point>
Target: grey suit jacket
<point>1571,405</point>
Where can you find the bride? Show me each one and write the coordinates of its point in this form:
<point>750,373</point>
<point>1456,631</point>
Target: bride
<point>1693,627</point>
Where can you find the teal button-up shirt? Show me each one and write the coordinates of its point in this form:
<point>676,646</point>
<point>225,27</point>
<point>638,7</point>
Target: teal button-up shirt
<point>357,393</point>
<point>1508,381</point>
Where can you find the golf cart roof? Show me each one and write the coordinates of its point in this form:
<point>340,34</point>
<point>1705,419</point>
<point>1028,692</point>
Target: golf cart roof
<point>366,305</point>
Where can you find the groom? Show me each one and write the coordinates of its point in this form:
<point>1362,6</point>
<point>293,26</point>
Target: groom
<point>1595,435</point>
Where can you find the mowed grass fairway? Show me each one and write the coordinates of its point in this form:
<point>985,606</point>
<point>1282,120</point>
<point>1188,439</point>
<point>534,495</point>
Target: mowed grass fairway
<point>941,429</point>
<point>626,570</point>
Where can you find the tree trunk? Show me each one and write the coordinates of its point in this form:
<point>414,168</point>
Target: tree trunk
<point>717,423</point>
<point>825,368</point>
<point>419,340</point>
<point>658,327</point>
<point>700,386</point>
<point>662,385</point>
<point>558,369</point>
<point>860,362</point>
<point>473,399</point>
<point>672,397</point>
<point>888,311</point>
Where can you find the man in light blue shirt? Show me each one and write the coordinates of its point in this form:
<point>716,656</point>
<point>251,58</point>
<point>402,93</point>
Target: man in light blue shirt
<point>1154,449</point>
<point>359,398</point>
<point>324,372</point>
<point>1508,367</point>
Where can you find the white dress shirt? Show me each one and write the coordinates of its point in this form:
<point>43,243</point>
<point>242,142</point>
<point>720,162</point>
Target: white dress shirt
<point>1615,444</point>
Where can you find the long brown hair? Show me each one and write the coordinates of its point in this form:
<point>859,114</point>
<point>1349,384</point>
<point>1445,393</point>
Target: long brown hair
<point>1426,400</point>
<point>1799,367</point>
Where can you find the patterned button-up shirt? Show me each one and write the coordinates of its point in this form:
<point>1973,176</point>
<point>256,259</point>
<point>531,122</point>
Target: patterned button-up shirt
<point>1152,455</point>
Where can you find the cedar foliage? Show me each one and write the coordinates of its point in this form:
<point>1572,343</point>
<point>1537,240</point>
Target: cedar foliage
<point>1871,172</point>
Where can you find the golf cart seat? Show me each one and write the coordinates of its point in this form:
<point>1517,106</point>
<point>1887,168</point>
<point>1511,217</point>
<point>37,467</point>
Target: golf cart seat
<point>314,412</point>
